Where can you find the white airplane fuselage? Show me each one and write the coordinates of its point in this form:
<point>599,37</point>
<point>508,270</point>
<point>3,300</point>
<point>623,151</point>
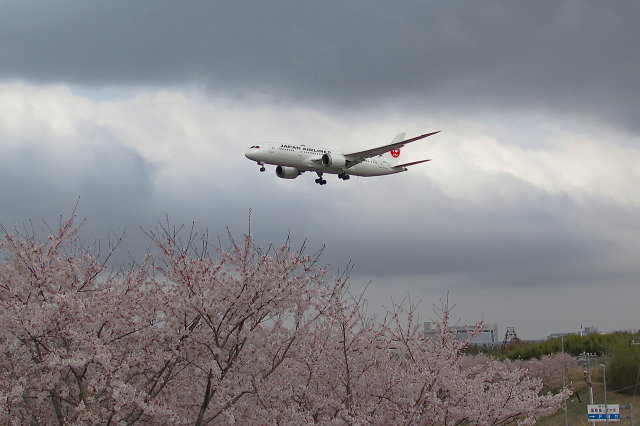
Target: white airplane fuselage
<point>293,160</point>
<point>301,158</point>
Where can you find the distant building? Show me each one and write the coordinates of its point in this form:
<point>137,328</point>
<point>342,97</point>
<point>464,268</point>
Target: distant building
<point>488,334</point>
<point>590,330</point>
<point>583,332</point>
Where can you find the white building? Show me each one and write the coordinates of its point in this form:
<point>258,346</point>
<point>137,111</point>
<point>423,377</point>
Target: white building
<point>488,334</point>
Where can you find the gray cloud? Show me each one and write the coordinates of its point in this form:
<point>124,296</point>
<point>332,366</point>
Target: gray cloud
<point>570,57</point>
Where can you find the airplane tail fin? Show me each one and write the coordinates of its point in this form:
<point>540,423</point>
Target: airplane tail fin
<point>392,156</point>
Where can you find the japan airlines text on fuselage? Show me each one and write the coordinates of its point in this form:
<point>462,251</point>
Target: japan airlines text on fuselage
<point>293,160</point>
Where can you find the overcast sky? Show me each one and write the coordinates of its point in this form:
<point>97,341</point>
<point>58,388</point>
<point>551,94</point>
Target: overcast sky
<point>528,215</point>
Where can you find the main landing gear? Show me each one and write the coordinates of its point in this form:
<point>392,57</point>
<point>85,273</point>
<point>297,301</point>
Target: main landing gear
<point>344,176</point>
<point>320,180</point>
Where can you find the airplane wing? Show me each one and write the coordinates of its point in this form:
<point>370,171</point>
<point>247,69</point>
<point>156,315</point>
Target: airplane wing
<point>358,157</point>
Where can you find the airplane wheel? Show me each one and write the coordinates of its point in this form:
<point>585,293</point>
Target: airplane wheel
<point>262,169</point>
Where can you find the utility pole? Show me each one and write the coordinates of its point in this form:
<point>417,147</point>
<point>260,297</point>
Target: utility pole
<point>566,414</point>
<point>606,407</point>
<point>634,342</point>
<point>587,374</point>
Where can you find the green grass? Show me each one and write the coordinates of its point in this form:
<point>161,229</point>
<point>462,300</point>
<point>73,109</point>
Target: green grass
<point>577,411</point>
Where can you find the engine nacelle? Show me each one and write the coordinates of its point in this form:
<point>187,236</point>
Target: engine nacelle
<point>333,160</point>
<point>287,172</point>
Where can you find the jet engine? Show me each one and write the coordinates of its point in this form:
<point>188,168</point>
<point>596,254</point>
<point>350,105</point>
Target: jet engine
<point>287,172</point>
<point>333,160</point>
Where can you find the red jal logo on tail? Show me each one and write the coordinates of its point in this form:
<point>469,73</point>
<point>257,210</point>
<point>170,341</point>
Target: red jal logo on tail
<point>395,153</point>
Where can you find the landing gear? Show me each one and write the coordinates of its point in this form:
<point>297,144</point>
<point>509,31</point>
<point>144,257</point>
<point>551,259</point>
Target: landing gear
<point>320,180</point>
<point>261,164</point>
<point>344,176</point>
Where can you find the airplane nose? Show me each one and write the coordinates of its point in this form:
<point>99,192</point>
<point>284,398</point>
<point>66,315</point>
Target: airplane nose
<point>253,152</point>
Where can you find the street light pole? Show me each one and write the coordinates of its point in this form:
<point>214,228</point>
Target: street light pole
<point>606,407</point>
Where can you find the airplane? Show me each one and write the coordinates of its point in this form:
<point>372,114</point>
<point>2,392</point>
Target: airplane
<point>293,160</point>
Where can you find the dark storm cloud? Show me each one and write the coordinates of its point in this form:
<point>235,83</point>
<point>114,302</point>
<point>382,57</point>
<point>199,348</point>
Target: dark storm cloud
<point>112,182</point>
<point>569,57</point>
<point>527,244</point>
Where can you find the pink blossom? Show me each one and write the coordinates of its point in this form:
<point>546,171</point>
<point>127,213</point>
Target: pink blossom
<point>196,335</point>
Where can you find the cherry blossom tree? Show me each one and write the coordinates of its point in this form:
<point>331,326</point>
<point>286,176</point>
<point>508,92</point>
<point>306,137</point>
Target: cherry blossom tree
<point>440,386</point>
<point>201,334</point>
<point>73,340</point>
<point>240,316</point>
<point>549,368</point>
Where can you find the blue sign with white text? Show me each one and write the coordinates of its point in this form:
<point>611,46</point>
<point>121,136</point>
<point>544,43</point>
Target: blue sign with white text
<point>603,413</point>
<point>602,417</point>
